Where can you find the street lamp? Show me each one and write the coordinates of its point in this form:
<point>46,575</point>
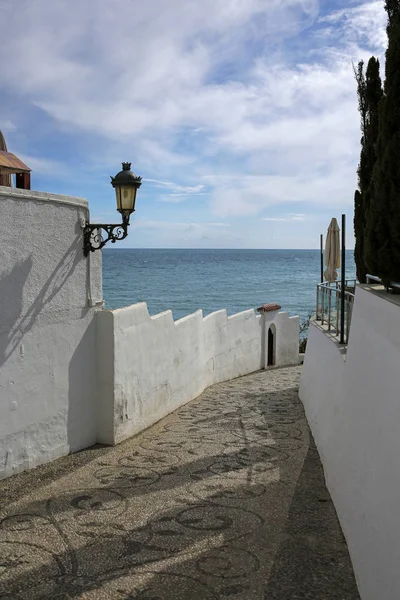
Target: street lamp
<point>126,185</point>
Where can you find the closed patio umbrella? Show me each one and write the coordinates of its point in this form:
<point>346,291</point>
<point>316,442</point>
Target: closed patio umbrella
<point>332,251</point>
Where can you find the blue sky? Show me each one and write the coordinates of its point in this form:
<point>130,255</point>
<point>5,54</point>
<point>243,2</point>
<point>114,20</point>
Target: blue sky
<point>241,115</point>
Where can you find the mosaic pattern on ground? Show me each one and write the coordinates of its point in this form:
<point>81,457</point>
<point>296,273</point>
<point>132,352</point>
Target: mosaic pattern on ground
<point>197,507</point>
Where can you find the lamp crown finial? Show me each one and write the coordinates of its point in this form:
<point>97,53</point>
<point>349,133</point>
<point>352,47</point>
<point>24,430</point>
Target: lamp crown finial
<point>126,166</point>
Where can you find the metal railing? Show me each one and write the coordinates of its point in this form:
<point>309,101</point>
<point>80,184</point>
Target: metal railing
<point>375,279</point>
<point>329,306</point>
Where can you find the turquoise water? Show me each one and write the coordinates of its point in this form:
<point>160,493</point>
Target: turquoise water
<point>185,280</point>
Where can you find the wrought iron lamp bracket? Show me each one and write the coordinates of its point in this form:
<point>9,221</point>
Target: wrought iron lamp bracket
<point>95,239</point>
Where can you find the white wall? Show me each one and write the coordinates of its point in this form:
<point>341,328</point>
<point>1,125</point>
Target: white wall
<point>47,334</point>
<point>68,379</point>
<point>353,408</point>
<point>149,366</point>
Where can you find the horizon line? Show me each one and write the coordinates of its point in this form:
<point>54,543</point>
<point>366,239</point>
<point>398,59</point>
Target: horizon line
<point>185,248</point>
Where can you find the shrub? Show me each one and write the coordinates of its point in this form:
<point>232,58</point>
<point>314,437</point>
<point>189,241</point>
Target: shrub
<point>304,325</point>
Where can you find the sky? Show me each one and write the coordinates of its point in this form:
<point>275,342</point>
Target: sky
<point>240,115</point>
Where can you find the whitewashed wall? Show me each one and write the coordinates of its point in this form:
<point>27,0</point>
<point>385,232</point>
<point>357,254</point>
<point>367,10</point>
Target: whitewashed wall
<point>47,334</point>
<point>149,366</point>
<point>68,379</point>
<point>353,407</point>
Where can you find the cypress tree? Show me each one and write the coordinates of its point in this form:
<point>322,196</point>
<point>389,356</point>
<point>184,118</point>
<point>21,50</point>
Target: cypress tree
<point>382,241</point>
<point>369,91</point>
<point>361,268</point>
<point>359,224</point>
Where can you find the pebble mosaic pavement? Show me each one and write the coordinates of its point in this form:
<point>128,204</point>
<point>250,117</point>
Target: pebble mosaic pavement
<point>223,499</point>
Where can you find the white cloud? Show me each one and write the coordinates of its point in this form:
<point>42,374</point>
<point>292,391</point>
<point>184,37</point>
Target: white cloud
<point>6,125</point>
<point>175,187</point>
<point>195,89</point>
<point>178,198</point>
<point>274,219</point>
<point>144,72</point>
<point>200,226</point>
<point>178,193</point>
<point>249,195</point>
<point>43,166</point>
<point>289,217</point>
<point>364,24</point>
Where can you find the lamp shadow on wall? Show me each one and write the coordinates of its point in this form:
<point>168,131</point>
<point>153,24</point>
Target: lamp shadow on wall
<point>13,322</point>
<point>11,288</point>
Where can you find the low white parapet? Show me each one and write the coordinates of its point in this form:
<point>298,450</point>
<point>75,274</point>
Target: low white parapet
<point>68,377</point>
<point>150,366</point>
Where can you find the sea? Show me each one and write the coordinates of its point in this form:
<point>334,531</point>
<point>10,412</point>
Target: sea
<point>186,280</point>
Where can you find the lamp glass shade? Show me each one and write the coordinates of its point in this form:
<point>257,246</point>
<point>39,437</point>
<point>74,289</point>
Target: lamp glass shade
<point>125,196</point>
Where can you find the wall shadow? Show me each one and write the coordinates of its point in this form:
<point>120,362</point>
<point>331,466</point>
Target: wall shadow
<point>313,560</point>
<point>82,389</point>
<point>176,552</point>
<point>28,482</point>
<point>111,554</point>
<point>20,324</point>
<point>140,471</point>
<point>136,481</point>
<point>11,288</point>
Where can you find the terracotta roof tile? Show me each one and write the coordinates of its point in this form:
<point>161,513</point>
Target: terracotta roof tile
<point>11,163</point>
<point>269,307</point>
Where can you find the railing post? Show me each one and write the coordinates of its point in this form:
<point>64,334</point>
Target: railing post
<point>329,308</point>
<point>337,312</point>
<point>342,291</point>
<point>322,257</point>
<point>342,303</point>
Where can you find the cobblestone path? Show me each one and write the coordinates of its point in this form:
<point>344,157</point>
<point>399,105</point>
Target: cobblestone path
<point>224,499</point>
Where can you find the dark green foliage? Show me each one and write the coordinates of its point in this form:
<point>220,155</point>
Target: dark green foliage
<point>359,217</point>
<point>304,325</point>
<point>392,8</point>
<point>382,243</point>
<point>361,94</point>
<point>369,91</point>
<point>359,227</point>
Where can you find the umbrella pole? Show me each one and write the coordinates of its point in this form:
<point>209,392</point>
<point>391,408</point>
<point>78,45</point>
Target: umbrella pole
<point>343,286</point>
<point>321,245</point>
